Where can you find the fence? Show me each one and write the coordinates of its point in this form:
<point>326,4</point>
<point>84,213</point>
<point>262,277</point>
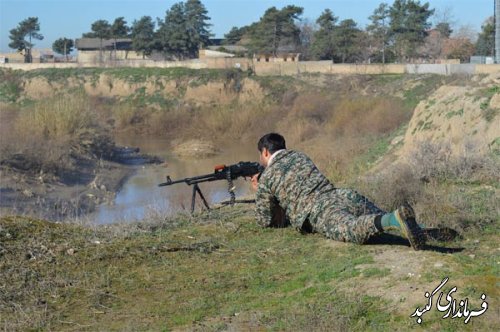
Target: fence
<point>281,68</point>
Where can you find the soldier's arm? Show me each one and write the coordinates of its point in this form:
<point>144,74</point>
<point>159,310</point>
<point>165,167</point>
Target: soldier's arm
<point>265,205</point>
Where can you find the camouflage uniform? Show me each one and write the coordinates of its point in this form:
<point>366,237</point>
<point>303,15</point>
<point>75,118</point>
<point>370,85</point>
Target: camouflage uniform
<point>311,202</point>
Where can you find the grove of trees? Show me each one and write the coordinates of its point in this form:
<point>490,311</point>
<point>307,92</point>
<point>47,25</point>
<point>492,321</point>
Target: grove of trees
<point>397,32</point>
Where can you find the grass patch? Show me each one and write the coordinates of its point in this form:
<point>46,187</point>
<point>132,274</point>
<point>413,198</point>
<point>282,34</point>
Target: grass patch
<point>422,90</point>
<point>10,86</point>
<point>163,275</point>
<point>451,114</point>
<point>214,271</point>
<point>276,86</point>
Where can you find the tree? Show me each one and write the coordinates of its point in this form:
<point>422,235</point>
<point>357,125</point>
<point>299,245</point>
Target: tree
<point>444,21</point>
<point>63,46</point>
<point>409,26</point>
<point>99,29</point>
<point>444,29</point>
<point>347,40</point>
<point>485,44</point>
<point>172,37</point>
<point>323,46</point>
<point>275,29</point>
<point>466,31</point>
<point>143,36</point>
<point>307,32</point>
<point>118,29</point>
<point>234,35</point>
<point>197,27</point>
<point>458,48</point>
<point>28,28</point>
<point>433,45</point>
<point>379,28</point>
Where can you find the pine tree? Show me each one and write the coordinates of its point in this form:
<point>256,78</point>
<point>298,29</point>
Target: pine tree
<point>99,29</point>
<point>119,29</point>
<point>63,46</point>
<point>173,37</point>
<point>409,26</point>
<point>142,34</point>
<point>28,28</point>
<point>324,43</point>
<point>379,28</point>
<point>347,40</point>
<point>485,44</point>
<point>197,27</point>
<point>275,29</point>
<point>235,35</point>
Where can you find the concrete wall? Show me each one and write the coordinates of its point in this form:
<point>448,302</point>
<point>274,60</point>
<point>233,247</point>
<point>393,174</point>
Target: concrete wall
<point>487,69</point>
<point>92,57</point>
<point>283,68</point>
<point>427,69</point>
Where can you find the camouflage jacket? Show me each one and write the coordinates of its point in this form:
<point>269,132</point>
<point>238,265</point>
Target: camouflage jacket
<point>295,184</point>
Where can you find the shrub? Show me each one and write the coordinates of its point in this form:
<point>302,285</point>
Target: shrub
<point>47,136</point>
<point>58,117</point>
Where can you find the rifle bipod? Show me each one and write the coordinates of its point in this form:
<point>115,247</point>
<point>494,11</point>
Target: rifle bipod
<point>196,189</point>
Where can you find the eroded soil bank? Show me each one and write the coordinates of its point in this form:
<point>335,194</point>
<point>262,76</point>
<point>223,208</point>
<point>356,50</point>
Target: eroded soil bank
<point>67,195</point>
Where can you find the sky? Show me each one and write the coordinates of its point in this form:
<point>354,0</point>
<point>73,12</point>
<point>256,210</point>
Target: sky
<point>71,18</point>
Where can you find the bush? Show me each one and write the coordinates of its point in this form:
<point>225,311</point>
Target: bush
<point>57,118</point>
<point>47,136</point>
<point>445,189</point>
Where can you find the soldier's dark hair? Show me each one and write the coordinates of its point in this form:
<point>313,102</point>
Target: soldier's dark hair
<point>272,141</point>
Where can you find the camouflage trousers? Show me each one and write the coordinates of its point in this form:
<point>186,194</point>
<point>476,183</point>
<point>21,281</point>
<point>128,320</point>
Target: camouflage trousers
<point>345,216</point>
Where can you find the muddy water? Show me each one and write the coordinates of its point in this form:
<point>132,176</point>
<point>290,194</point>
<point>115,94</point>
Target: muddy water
<point>140,196</point>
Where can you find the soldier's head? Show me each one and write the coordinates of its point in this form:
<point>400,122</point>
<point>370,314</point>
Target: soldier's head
<point>268,145</point>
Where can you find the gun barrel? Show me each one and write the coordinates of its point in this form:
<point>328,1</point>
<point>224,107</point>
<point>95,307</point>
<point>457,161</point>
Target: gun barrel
<point>241,169</point>
<point>189,181</point>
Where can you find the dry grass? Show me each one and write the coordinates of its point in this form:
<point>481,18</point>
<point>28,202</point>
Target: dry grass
<point>44,136</point>
<point>447,190</point>
<point>57,118</point>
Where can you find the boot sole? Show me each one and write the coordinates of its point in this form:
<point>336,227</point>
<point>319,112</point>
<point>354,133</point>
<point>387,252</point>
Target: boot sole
<point>409,226</point>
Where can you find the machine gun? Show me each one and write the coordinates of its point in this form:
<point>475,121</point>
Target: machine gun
<point>221,172</point>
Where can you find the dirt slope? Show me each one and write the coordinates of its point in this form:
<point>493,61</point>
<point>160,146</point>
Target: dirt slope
<point>467,118</point>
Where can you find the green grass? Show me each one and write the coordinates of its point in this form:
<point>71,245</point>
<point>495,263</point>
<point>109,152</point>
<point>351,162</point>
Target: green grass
<point>387,78</point>
<point>10,86</point>
<point>420,91</point>
<point>156,274</point>
<point>277,86</point>
<point>451,114</point>
<point>213,271</point>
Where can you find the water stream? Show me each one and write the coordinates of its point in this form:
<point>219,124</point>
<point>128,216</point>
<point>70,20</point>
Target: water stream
<point>140,197</point>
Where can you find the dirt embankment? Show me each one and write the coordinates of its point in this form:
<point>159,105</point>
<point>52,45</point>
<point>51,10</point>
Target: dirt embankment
<point>213,92</point>
<point>60,178</point>
<point>69,193</point>
<point>465,118</point>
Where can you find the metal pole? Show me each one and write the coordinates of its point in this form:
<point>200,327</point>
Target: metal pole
<point>497,31</point>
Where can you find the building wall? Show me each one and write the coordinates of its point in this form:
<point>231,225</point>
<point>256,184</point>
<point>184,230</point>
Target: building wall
<point>107,56</point>
<point>284,68</point>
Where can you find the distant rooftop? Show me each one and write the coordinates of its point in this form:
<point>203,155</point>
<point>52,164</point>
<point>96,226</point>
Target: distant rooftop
<point>83,44</point>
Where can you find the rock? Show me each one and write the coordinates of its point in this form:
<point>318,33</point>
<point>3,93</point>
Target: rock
<point>70,251</point>
<point>28,193</point>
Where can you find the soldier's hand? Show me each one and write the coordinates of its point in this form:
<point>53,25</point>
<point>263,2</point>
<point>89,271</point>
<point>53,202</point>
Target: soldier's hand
<point>255,181</point>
